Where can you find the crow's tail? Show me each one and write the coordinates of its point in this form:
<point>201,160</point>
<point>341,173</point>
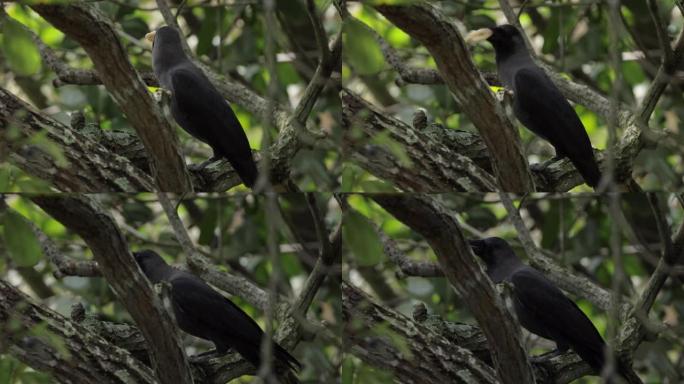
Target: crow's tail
<point>286,365</point>
<point>246,169</point>
<point>589,170</point>
<point>594,355</point>
<point>284,358</point>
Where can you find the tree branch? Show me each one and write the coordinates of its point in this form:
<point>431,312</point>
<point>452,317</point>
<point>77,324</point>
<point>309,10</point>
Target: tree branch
<point>438,160</point>
<point>427,357</point>
<point>81,356</point>
<point>90,167</point>
<point>329,60</point>
<point>635,329</point>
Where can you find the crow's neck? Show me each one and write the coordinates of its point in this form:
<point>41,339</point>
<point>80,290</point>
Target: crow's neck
<point>509,61</point>
<point>159,273</point>
<point>169,57</point>
<point>503,269</point>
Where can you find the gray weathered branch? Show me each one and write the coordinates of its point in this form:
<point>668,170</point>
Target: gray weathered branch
<point>439,159</point>
<point>427,357</point>
<point>86,356</point>
<point>90,167</point>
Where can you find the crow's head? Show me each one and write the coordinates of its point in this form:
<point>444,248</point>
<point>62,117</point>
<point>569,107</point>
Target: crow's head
<point>167,50</point>
<point>150,262</point>
<point>505,38</point>
<point>492,250</point>
<point>164,36</point>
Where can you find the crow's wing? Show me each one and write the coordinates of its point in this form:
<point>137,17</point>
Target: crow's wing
<point>204,113</point>
<point>558,315</point>
<point>541,107</point>
<point>210,315</point>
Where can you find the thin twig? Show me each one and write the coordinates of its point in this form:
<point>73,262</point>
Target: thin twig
<point>661,32</point>
<point>512,18</point>
<point>171,21</point>
<point>66,266</point>
<point>234,285</point>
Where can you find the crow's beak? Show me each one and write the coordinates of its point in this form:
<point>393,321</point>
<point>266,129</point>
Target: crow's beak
<point>478,246</point>
<point>474,37</point>
<point>150,36</point>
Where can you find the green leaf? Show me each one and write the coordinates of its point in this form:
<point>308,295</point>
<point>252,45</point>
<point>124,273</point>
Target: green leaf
<point>350,176</point>
<point>22,245</point>
<point>5,178</point>
<point>18,48</point>
<point>377,186</point>
<point>348,370</point>
<point>361,49</point>
<point>7,367</point>
<point>362,240</point>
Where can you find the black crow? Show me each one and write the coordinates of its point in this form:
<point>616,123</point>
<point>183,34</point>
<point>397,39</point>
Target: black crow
<point>203,312</point>
<point>197,106</point>
<point>540,306</point>
<point>537,103</point>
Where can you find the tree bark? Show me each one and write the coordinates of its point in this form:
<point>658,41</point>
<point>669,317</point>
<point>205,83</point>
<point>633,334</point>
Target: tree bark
<point>48,342</point>
<point>425,357</point>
